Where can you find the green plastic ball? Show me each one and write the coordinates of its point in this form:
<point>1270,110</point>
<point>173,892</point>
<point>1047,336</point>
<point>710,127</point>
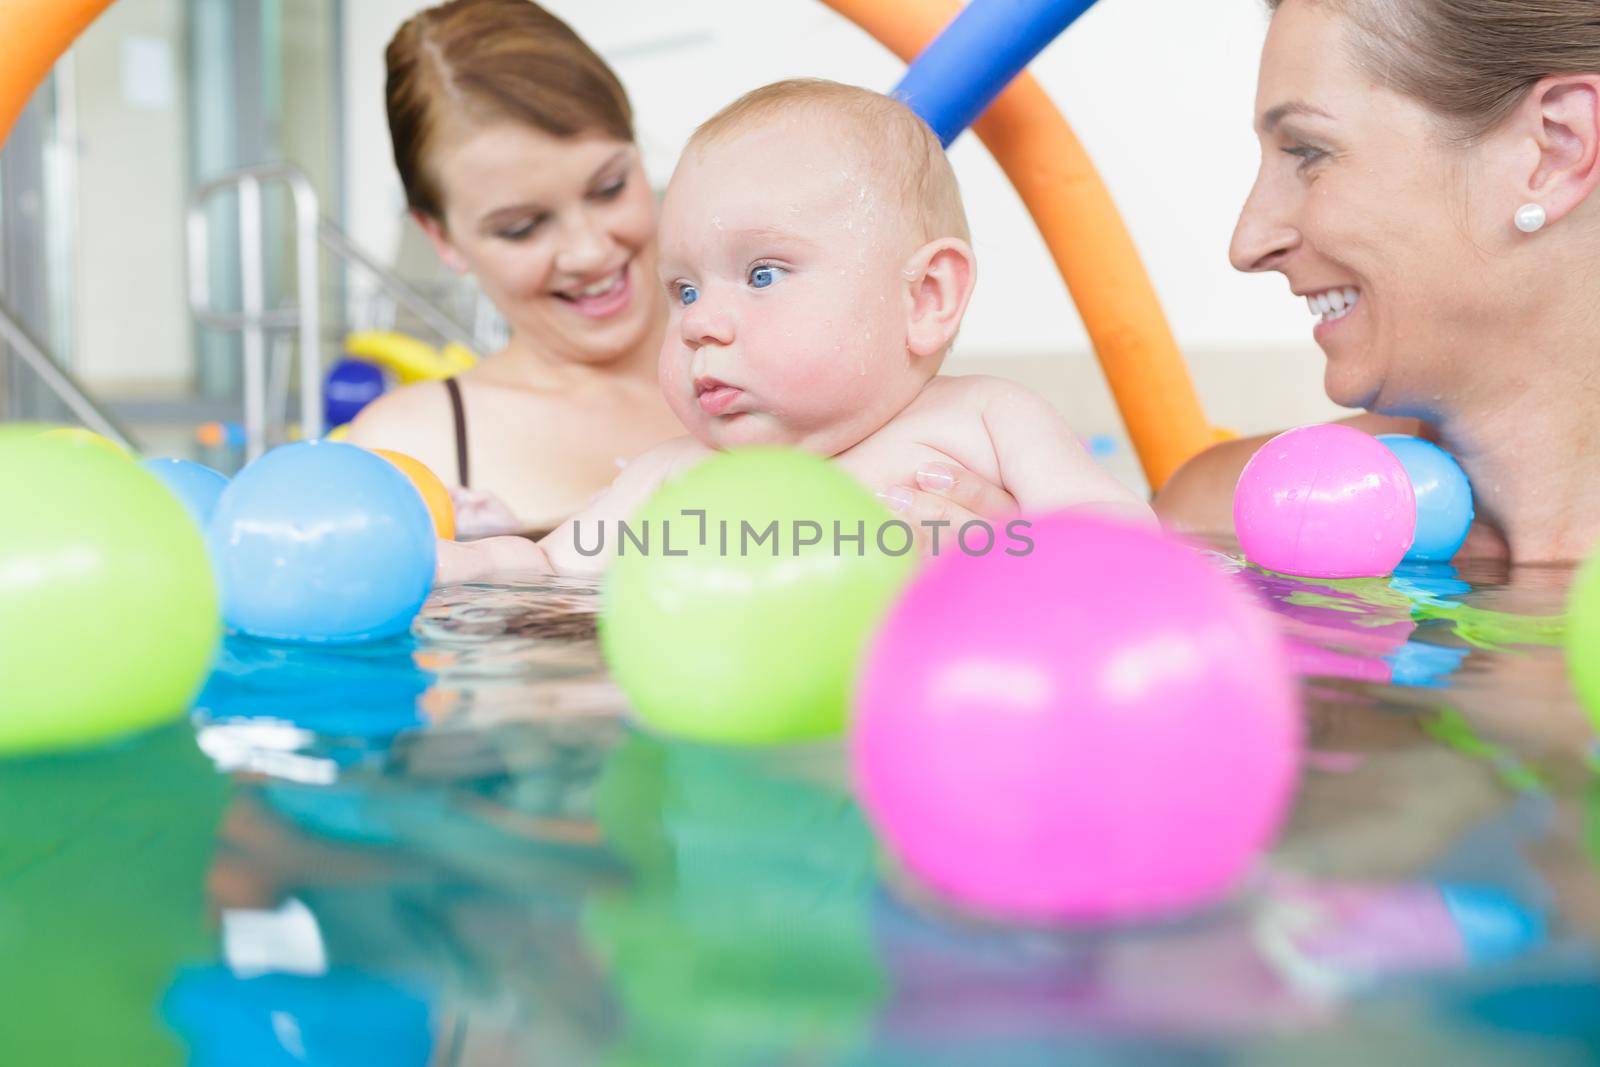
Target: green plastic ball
<point>743,637</point>
<point>1583,636</point>
<point>108,609</point>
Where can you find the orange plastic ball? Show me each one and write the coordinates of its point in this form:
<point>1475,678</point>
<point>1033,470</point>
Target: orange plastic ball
<point>434,494</point>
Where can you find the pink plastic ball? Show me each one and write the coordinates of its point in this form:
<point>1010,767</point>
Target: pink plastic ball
<point>1105,728</point>
<point>1325,502</point>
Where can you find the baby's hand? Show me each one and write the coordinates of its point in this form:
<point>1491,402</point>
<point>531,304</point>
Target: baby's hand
<point>481,514</point>
<point>493,559</point>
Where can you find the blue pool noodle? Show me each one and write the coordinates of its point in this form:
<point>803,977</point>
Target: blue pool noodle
<point>966,67</point>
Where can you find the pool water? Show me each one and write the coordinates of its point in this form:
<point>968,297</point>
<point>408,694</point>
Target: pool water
<point>451,849</point>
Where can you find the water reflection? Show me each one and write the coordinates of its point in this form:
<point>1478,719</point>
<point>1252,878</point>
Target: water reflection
<point>457,833</point>
<point>745,936</point>
<point>452,873</point>
<point>103,858</point>
<point>336,1019</point>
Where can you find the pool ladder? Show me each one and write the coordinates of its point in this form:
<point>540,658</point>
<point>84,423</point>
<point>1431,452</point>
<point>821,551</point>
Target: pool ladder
<point>255,322</point>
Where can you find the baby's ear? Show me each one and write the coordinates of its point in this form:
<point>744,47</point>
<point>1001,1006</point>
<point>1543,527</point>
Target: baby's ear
<point>938,285</point>
<point>440,240</point>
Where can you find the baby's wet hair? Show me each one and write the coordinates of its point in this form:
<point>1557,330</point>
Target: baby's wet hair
<point>886,134</point>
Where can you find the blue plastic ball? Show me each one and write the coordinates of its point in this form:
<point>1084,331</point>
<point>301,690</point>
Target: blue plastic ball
<point>322,542</point>
<point>351,385</point>
<point>196,486</point>
<point>1444,496</point>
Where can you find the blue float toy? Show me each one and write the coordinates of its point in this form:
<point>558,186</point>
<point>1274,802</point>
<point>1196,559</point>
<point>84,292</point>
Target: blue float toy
<point>1444,497</point>
<point>196,486</point>
<point>351,385</point>
<point>1494,925</point>
<point>341,1016</point>
<point>322,542</point>
<point>978,55</point>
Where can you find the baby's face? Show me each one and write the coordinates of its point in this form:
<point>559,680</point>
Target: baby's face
<point>781,254</point>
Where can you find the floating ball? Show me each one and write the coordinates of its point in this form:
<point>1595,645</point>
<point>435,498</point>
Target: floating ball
<point>78,435</point>
<point>735,638</point>
<point>108,610</point>
<point>320,541</point>
<point>196,486</point>
<point>1325,501</point>
<point>1444,497</point>
<point>434,494</point>
<point>1583,636</point>
<point>1103,728</point>
<point>351,384</point>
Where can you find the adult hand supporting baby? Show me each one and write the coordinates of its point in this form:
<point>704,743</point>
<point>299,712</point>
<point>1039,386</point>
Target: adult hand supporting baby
<point>945,493</point>
<point>492,559</point>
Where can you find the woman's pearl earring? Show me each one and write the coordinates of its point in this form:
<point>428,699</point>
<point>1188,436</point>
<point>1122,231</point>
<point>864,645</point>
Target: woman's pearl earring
<point>1529,218</point>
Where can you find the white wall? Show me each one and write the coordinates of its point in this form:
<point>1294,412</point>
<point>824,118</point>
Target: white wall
<point>1160,91</point>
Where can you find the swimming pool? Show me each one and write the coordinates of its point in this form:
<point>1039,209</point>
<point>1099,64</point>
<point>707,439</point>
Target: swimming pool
<point>450,849</point>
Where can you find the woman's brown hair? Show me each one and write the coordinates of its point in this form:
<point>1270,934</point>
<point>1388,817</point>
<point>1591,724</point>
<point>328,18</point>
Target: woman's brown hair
<point>485,61</point>
<point>1471,61</point>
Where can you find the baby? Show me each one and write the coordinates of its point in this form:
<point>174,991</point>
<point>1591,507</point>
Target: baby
<point>815,253</point>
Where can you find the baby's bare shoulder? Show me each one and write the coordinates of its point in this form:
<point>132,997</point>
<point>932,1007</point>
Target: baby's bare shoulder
<point>944,424</point>
<point>946,393</point>
<point>975,390</point>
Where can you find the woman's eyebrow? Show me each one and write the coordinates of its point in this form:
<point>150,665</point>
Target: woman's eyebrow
<point>516,211</point>
<point>1271,117</point>
<point>620,155</point>
<point>506,214</point>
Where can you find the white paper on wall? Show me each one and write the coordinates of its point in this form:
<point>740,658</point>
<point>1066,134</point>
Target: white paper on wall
<point>147,73</point>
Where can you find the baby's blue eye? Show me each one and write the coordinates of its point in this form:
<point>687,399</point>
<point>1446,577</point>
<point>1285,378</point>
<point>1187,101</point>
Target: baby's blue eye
<point>765,275</point>
<point>687,294</point>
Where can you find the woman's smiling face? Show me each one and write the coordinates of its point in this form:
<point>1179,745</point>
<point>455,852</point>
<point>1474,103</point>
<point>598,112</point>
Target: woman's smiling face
<point>1373,214</point>
<point>559,232</point>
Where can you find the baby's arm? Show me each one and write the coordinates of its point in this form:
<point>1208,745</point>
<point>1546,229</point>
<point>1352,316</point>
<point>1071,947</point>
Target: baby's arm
<point>1042,462</point>
<point>508,558</point>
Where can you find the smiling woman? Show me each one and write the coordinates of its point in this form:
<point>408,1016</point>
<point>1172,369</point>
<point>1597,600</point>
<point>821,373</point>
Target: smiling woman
<point>515,145</point>
<point>1426,184</point>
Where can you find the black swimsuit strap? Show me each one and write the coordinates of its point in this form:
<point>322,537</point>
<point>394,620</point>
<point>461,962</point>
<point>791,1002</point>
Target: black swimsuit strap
<point>458,409</point>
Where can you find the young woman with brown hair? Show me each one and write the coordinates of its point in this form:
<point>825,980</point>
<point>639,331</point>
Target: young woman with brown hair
<point>514,141</point>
